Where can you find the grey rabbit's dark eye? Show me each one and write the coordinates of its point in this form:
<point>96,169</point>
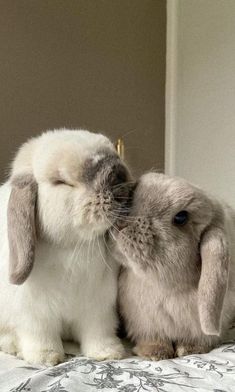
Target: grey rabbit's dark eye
<point>181,218</point>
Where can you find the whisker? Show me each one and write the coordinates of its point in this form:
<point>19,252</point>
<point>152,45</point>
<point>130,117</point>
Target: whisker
<point>106,245</point>
<point>124,184</point>
<point>75,255</point>
<point>102,256</point>
<point>120,219</point>
<point>147,131</point>
<point>112,224</point>
<point>115,228</point>
<point>122,197</point>
<point>88,253</point>
<point>120,211</point>
<point>93,246</point>
<point>128,133</point>
<point>124,218</point>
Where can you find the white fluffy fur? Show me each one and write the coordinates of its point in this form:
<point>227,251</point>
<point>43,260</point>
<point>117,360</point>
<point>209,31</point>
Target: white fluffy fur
<point>71,291</point>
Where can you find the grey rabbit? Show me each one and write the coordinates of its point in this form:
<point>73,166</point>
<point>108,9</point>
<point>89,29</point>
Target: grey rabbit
<point>177,282</point>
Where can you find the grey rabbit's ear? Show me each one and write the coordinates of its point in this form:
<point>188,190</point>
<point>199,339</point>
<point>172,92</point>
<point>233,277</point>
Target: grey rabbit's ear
<point>213,280</point>
<point>21,227</point>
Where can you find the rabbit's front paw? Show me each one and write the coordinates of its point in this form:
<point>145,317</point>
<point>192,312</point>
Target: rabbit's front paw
<point>190,349</point>
<point>44,357</point>
<point>8,344</point>
<point>155,351</point>
<point>105,349</point>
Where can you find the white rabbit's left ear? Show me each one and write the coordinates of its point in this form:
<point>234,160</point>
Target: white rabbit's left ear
<point>213,280</point>
<point>21,227</point>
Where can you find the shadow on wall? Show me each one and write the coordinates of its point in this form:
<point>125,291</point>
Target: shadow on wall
<point>84,64</point>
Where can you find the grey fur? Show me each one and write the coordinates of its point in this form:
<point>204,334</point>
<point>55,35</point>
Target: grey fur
<point>174,280</point>
<point>21,227</point>
<point>111,180</point>
<point>105,168</point>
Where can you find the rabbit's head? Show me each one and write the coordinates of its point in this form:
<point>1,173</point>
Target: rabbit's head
<point>67,186</point>
<point>176,231</point>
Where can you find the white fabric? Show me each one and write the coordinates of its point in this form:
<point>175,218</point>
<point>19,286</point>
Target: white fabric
<point>214,371</point>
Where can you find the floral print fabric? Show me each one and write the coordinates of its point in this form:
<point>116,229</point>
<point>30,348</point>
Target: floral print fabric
<point>214,371</point>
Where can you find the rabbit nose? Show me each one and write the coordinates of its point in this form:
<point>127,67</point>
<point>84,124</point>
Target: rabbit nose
<point>118,175</point>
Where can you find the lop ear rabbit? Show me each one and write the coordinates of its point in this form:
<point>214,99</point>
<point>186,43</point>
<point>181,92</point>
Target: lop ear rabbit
<point>57,280</point>
<point>177,286</point>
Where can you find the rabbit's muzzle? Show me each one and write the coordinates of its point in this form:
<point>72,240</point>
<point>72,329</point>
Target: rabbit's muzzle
<point>137,241</point>
<point>108,182</point>
<point>114,190</point>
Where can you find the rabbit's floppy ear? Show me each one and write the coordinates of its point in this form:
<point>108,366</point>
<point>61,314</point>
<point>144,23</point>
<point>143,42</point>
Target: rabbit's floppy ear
<point>21,227</point>
<point>213,280</point>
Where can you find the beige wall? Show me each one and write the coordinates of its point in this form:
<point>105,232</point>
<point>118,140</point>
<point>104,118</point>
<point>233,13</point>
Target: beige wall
<point>95,64</point>
<point>201,80</point>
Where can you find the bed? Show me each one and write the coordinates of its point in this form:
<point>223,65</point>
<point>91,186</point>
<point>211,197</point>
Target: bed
<point>214,371</point>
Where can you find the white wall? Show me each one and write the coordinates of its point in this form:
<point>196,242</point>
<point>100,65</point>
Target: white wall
<point>200,94</point>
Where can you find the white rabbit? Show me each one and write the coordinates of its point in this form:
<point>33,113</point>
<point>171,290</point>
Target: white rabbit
<point>177,286</point>
<point>57,278</point>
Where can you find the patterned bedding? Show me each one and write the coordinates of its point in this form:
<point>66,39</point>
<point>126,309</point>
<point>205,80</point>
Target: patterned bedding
<point>214,371</point>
